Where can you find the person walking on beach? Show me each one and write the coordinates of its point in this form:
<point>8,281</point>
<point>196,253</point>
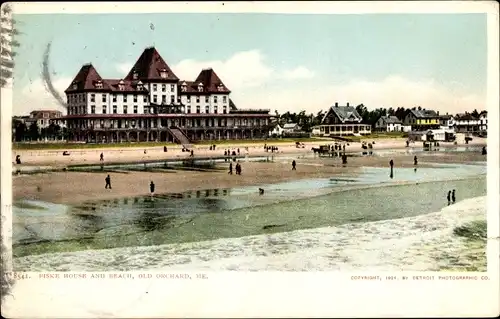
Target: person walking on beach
<point>391,163</point>
<point>449,197</point>
<point>101,158</point>
<point>293,165</point>
<point>415,160</point>
<point>230,169</point>
<point>152,188</point>
<point>453,196</point>
<point>108,182</point>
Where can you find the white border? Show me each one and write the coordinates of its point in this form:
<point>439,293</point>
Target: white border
<point>281,294</point>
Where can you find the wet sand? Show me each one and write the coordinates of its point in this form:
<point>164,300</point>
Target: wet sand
<point>77,187</point>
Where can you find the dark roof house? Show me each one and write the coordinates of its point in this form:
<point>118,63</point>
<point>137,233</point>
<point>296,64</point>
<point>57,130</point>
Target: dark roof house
<point>345,114</point>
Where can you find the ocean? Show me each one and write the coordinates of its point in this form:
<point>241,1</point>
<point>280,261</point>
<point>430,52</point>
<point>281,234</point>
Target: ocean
<point>365,222</point>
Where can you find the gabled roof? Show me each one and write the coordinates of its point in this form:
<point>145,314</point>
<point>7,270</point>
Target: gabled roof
<point>391,119</point>
<point>87,79</point>
<point>423,113</point>
<point>344,113</point>
<point>465,117</point>
<point>211,82</point>
<point>150,66</point>
<point>289,125</point>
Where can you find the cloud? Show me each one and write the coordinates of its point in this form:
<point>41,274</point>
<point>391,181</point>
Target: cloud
<point>124,68</point>
<point>393,91</point>
<point>255,83</point>
<point>300,72</point>
<point>35,96</point>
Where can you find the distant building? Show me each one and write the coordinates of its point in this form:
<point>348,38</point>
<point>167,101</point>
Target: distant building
<point>152,104</point>
<point>422,119</point>
<point>483,121</point>
<point>291,128</point>
<point>388,124</point>
<point>43,118</point>
<point>466,123</point>
<point>446,121</point>
<point>276,131</point>
<point>341,121</point>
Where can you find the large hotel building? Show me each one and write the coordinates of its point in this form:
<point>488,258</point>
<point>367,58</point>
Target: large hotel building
<point>152,104</point>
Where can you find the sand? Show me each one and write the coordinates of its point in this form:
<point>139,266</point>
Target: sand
<point>130,154</point>
<point>77,187</point>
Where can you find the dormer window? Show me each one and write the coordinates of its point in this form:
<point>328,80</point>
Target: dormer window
<point>98,84</point>
<point>140,87</point>
<point>184,87</point>
<point>200,87</point>
<point>135,75</point>
<point>220,88</point>
<point>163,73</point>
<point>121,85</point>
<point>75,86</point>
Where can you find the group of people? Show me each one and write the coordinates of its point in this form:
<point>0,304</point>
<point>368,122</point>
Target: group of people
<point>237,168</point>
<point>270,148</point>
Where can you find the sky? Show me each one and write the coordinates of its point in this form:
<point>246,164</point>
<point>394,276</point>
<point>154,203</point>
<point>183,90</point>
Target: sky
<point>284,62</point>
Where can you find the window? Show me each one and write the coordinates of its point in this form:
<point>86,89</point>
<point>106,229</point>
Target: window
<point>172,99</point>
<point>135,98</point>
<point>215,99</point>
<point>124,97</point>
<point>154,87</point>
<point>197,109</point>
<point>164,99</point>
<point>125,109</point>
<point>172,88</point>
<point>155,99</point>
<point>164,88</point>
<point>197,99</point>
<point>207,99</point>
<point>135,109</point>
<point>215,109</point>
<point>104,109</point>
<point>224,109</point>
<point>98,85</point>
<point>92,97</point>
<point>224,99</point>
<point>145,99</point>
<point>189,109</point>
<point>200,87</point>
<point>189,99</point>
<point>178,99</point>
<point>104,97</point>
<point>114,109</point>
<point>92,109</point>
<point>207,109</point>
<point>114,97</point>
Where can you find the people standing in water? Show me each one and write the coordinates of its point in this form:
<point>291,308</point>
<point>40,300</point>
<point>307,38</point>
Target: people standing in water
<point>101,157</point>
<point>453,196</point>
<point>108,182</point>
<point>230,169</point>
<point>293,165</point>
<point>152,188</point>
<point>449,197</point>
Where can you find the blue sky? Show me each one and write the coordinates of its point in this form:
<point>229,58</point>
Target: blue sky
<point>277,61</point>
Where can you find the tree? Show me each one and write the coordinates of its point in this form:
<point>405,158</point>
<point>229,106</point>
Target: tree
<point>34,132</point>
<point>475,113</point>
<point>8,43</point>
<point>20,130</point>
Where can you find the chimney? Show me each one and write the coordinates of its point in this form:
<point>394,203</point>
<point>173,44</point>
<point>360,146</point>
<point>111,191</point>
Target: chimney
<point>336,104</point>
<point>437,112</point>
<point>347,103</point>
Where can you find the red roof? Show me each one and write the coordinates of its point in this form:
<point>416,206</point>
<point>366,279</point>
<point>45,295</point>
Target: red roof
<point>150,66</point>
<point>211,82</point>
<point>87,79</point>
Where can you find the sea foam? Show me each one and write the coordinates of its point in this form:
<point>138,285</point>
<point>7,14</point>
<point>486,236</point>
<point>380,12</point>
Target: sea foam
<point>405,244</point>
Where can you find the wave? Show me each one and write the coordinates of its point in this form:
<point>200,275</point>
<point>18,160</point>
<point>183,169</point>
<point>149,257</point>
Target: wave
<point>409,244</point>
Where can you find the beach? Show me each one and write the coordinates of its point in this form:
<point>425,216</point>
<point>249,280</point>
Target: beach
<point>63,217</point>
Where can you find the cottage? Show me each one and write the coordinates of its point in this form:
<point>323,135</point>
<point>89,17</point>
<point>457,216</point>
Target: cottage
<point>341,121</point>
<point>276,131</point>
<point>466,123</point>
<point>422,119</point>
<point>291,128</point>
<point>388,124</point>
